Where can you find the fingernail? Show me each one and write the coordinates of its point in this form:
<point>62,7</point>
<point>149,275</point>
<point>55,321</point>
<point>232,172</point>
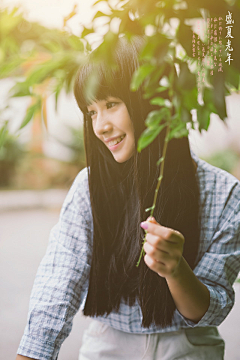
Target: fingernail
<point>144,225</point>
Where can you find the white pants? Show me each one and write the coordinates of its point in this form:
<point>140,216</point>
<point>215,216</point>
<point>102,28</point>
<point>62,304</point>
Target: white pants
<point>101,341</point>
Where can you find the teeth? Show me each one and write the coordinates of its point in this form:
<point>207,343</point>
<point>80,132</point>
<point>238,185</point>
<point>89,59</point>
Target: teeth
<point>116,141</point>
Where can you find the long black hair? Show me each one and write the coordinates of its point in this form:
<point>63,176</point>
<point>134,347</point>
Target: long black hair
<point>120,193</point>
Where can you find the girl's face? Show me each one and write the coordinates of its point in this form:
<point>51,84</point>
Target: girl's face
<point>112,125</point>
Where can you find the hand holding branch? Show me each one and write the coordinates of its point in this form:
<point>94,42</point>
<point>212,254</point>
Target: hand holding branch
<point>163,248</point>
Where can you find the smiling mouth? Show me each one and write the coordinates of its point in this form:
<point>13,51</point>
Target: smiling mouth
<point>116,141</point>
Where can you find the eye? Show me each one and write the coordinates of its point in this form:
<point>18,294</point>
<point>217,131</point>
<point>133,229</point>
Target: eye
<point>91,113</point>
<point>111,104</point>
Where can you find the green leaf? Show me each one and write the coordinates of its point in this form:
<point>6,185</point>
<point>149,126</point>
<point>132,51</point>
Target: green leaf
<point>178,131</point>
<point>156,47</point>
<point>161,89</point>
<point>87,31</point>
<point>3,134</point>
<point>76,43</point>
<point>9,67</point>
<point>40,73</point>
<point>208,99</point>
<point>30,113</point>
<point>190,98</point>
<point>57,93</point>
<point>148,136</point>
<point>70,76</point>
<point>161,102</point>
<point>218,10</point>
<point>105,51</point>
<point>9,21</point>
<point>155,117</point>
<point>158,101</point>
<point>100,14</point>
<point>140,74</point>
<point>52,46</point>
<point>133,27</point>
<point>151,84</point>
<point>48,69</point>
<point>184,36</point>
<point>20,89</point>
<point>98,1</point>
<point>185,115</point>
<point>232,76</point>
<point>219,94</point>
<point>203,117</point>
<point>189,13</point>
<point>186,80</point>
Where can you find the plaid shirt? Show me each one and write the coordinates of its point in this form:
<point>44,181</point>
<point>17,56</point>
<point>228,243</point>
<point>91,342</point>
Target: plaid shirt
<point>61,283</point>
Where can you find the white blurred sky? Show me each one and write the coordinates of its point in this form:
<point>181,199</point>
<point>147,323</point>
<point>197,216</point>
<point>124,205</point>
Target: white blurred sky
<point>51,12</point>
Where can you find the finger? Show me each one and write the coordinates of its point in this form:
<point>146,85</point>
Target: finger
<point>157,267</point>
<point>162,267</point>
<point>161,256</point>
<point>152,263</point>
<point>156,254</point>
<point>162,231</point>
<point>152,220</point>
<point>158,242</point>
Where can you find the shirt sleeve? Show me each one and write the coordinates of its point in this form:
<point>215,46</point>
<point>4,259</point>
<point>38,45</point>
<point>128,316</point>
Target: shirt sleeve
<point>220,265</point>
<point>62,277</point>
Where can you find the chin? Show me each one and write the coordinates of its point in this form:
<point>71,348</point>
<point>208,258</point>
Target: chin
<point>120,161</point>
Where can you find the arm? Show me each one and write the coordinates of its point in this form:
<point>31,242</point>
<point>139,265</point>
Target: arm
<point>164,248</point>
<point>216,270</point>
<point>191,296</point>
<point>61,281</point>
<point>20,357</point>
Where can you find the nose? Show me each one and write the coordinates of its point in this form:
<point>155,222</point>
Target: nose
<point>102,124</point>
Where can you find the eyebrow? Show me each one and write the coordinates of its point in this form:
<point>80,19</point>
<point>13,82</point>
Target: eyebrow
<point>108,99</point>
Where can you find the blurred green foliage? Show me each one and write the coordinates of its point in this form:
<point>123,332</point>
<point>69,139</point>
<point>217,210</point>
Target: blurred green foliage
<point>11,152</point>
<point>42,61</point>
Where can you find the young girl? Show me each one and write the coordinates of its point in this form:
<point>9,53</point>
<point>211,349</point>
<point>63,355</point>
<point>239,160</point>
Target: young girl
<point>170,306</point>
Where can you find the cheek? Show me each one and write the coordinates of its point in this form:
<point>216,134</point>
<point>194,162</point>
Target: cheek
<point>129,125</point>
<point>93,128</point>
<point>131,133</point>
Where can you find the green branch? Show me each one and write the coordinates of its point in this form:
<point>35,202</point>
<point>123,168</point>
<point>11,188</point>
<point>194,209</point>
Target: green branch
<point>157,188</point>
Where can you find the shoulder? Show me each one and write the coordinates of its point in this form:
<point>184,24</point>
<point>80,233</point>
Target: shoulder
<point>78,195</point>
<point>216,182</point>
<point>219,203</point>
<point>219,213</point>
<point>80,182</point>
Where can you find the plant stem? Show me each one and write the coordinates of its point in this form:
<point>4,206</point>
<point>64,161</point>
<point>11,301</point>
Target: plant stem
<point>157,188</point>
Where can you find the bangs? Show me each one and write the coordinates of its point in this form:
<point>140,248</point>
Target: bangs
<point>98,81</point>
